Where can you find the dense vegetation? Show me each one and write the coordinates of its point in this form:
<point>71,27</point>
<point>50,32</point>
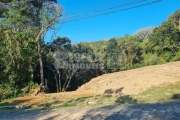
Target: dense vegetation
<point>61,66</point>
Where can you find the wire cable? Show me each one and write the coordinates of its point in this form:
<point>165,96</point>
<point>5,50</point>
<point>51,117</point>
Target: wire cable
<point>145,4</point>
<point>99,10</point>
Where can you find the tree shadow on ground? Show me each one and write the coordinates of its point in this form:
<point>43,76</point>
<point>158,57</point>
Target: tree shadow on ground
<point>126,99</point>
<point>74,102</point>
<point>113,91</point>
<point>176,96</point>
<point>155,111</point>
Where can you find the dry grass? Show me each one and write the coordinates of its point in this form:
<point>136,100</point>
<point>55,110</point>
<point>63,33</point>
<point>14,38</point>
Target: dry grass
<point>161,93</point>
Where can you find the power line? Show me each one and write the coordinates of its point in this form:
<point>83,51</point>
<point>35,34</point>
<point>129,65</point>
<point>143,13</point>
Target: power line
<point>91,7</point>
<point>145,4</point>
<point>98,4</point>
<point>102,9</point>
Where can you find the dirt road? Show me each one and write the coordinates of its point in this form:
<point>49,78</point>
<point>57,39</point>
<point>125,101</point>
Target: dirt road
<point>157,111</point>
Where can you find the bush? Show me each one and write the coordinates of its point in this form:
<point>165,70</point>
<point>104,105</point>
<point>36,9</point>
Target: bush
<point>32,85</point>
<point>1,96</point>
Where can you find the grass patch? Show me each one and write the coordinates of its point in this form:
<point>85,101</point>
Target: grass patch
<point>86,101</point>
<point>158,94</point>
<point>6,102</point>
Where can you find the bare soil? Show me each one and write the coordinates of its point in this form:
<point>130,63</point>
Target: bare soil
<point>134,81</point>
<point>129,82</point>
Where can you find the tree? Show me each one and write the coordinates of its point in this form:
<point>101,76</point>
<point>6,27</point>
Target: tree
<point>132,51</point>
<point>44,15</point>
<point>47,15</point>
<point>164,41</point>
<point>56,47</point>
<point>112,55</point>
<point>23,27</point>
<point>144,33</point>
<point>18,48</point>
<point>59,44</point>
<point>112,46</point>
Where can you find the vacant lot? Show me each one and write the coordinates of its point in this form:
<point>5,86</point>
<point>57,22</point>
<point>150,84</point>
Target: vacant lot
<point>135,81</point>
<point>131,82</point>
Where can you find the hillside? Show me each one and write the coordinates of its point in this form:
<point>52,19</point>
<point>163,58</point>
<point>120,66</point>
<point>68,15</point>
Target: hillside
<point>129,82</point>
<point>133,81</point>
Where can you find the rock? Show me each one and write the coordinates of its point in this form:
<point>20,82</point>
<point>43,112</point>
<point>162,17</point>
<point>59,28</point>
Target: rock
<point>92,103</point>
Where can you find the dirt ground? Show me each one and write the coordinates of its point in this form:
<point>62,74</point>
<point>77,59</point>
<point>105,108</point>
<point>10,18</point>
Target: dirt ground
<point>134,81</point>
<point>129,82</point>
<point>42,99</point>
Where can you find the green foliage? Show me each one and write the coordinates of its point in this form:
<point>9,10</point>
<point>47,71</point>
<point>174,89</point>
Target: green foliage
<point>18,49</point>
<point>150,59</point>
<point>18,42</point>
<point>32,85</point>
<point>165,39</point>
<point>112,46</point>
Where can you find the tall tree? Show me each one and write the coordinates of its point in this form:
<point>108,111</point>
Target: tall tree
<point>44,15</point>
<point>23,27</point>
<point>18,42</point>
<point>144,34</point>
<point>47,15</point>
<point>165,39</point>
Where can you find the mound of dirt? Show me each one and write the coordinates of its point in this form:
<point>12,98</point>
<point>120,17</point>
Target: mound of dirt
<point>134,81</point>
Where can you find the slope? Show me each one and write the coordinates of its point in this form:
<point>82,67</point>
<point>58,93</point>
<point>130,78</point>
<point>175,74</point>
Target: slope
<point>134,81</point>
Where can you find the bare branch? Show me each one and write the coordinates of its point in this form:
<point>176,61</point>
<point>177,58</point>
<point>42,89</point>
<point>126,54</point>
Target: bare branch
<point>144,33</point>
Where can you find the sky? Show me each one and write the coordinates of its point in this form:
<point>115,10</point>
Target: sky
<point>111,25</point>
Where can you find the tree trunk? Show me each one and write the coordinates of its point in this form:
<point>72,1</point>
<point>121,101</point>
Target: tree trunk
<point>40,63</point>
<point>59,79</point>
<point>131,63</point>
<point>179,24</point>
<point>64,86</point>
<point>57,85</point>
<point>68,83</point>
<point>69,80</point>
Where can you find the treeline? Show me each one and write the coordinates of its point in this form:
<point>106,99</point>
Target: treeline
<point>148,46</point>
<point>76,64</point>
<point>62,66</point>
